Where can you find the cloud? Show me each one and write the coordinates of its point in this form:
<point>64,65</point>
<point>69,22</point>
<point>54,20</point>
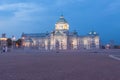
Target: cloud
<point>113,7</point>
<point>24,16</point>
<point>17,6</point>
<point>22,10</point>
<point>67,2</point>
<point>21,14</point>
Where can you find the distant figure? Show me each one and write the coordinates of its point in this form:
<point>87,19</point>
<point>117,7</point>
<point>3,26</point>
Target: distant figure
<point>3,49</point>
<point>6,48</point>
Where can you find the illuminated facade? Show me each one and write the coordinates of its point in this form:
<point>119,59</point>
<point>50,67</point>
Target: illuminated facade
<point>61,38</point>
<point>3,40</point>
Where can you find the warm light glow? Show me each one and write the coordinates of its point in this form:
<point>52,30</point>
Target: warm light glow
<point>17,45</point>
<point>85,41</point>
<point>65,26</point>
<point>61,26</point>
<point>3,39</point>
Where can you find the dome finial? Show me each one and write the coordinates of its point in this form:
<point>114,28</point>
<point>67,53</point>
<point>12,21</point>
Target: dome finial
<point>61,20</point>
<point>61,16</point>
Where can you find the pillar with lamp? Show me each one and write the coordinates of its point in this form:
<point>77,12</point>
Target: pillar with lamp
<point>13,41</point>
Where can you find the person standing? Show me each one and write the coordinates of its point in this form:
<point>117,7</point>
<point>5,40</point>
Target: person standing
<point>6,48</point>
<point>3,49</point>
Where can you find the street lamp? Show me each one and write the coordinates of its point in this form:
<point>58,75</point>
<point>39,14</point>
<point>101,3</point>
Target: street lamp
<point>13,41</point>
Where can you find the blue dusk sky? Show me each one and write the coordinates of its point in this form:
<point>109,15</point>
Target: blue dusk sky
<point>37,16</point>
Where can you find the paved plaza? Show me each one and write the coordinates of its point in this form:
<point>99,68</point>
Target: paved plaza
<point>59,65</point>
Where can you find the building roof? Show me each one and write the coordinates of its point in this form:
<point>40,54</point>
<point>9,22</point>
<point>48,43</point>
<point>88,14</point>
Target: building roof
<point>28,40</point>
<point>74,33</point>
<point>36,35</point>
<point>60,33</point>
<point>61,20</point>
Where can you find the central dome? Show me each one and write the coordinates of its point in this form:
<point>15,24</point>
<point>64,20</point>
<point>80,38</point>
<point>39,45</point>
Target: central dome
<point>61,24</point>
<point>61,20</point>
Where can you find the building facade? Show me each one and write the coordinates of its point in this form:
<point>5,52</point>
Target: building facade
<point>61,38</point>
<point>3,40</point>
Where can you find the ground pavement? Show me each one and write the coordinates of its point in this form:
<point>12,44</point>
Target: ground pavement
<point>60,65</point>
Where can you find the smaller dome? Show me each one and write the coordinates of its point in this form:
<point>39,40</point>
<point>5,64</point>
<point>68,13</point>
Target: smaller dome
<point>75,32</point>
<point>61,20</point>
<point>93,33</point>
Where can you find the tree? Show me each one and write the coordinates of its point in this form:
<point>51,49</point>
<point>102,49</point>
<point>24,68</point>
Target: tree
<point>103,47</point>
<point>116,47</point>
<point>9,42</point>
<point>19,42</point>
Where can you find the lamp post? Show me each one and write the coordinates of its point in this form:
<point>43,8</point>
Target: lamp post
<point>13,41</point>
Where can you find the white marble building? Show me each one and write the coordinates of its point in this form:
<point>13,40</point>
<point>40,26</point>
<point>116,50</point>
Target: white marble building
<point>61,38</point>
